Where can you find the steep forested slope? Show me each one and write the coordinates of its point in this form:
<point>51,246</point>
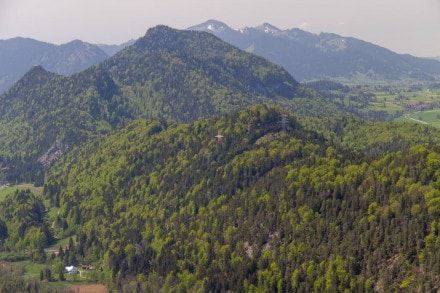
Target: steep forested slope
<point>43,108</point>
<point>167,74</point>
<point>190,74</point>
<point>22,223</point>
<point>274,207</point>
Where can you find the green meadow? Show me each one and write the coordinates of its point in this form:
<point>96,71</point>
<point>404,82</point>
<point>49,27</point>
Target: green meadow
<point>5,191</point>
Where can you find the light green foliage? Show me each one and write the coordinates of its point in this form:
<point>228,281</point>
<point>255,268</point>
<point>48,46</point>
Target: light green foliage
<point>168,74</point>
<point>12,280</point>
<point>271,208</point>
<point>416,103</point>
<point>23,213</point>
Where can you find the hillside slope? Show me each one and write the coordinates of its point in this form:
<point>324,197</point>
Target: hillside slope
<point>273,207</point>
<point>167,74</point>
<point>310,56</point>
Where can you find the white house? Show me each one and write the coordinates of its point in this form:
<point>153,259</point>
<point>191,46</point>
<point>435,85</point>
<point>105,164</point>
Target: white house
<point>72,270</point>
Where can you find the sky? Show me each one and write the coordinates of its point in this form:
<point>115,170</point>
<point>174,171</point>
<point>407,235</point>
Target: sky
<point>404,26</point>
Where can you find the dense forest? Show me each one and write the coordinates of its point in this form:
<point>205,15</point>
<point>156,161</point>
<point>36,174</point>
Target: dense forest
<point>183,164</point>
<point>168,74</point>
<point>281,204</point>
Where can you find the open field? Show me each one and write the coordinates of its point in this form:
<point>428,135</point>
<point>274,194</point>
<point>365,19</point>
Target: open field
<point>418,103</point>
<point>76,282</point>
<point>404,100</point>
<point>30,269</point>
<point>61,242</point>
<point>431,117</point>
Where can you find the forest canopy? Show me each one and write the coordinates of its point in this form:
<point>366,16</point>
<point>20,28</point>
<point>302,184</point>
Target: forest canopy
<point>274,206</point>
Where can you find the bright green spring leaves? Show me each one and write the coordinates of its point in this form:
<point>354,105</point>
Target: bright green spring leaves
<point>273,207</point>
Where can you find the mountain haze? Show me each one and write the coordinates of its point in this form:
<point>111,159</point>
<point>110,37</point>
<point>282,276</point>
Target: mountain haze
<point>18,55</point>
<point>310,56</point>
<point>113,49</point>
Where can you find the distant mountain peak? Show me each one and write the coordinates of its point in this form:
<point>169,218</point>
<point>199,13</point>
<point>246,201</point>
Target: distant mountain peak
<point>37,69</point>
<point>212,25</point>
<point>17,55</point>
<point>217,26</point>
<point>76,41</point>
<point>158,29</point>
<point>311,56</point>
<point>77,44</point>
<point>268,28</point>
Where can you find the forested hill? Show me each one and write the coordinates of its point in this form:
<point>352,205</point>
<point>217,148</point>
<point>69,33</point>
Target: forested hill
<point>187,75</point>
<point>167,74</point>
<point>275,206</point>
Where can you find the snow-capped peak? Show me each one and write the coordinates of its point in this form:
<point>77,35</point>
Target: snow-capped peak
<point>212,26</point>
<point>215,28</point>
<point>242,30</point>
<point>268,28</point>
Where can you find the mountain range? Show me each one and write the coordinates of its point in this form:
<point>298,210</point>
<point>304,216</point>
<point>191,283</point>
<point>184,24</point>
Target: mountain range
<point>18,55</point>
<point>167,74</point>
<point>308,56</point>
<point>137,182</point>
<point>111,50</point>
<point>305,56</point>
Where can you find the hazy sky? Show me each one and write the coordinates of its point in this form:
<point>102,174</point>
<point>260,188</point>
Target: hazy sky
<point>404,26</point>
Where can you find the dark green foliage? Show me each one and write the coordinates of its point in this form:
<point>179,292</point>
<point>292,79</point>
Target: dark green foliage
<point>280,205</point>
<point>3,230</point>
<point>326,85</point>
<point>47,274</point>
<point>22,215</point>
<point>61,275</point>
<point>168,74</point>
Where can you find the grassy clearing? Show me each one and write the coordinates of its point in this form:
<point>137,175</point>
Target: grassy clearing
<point>61,242</point>
<point>431,117</point>
<point>32,270</point>
<point>51,213</point>
<point>8,190</point>
<point>415,105</point>
<point>389,107</point>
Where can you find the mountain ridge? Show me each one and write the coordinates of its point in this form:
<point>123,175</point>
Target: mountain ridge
<point>168,74</point>
<point>310,56</point>
<point>115,48</point>
<point>19,54</point>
